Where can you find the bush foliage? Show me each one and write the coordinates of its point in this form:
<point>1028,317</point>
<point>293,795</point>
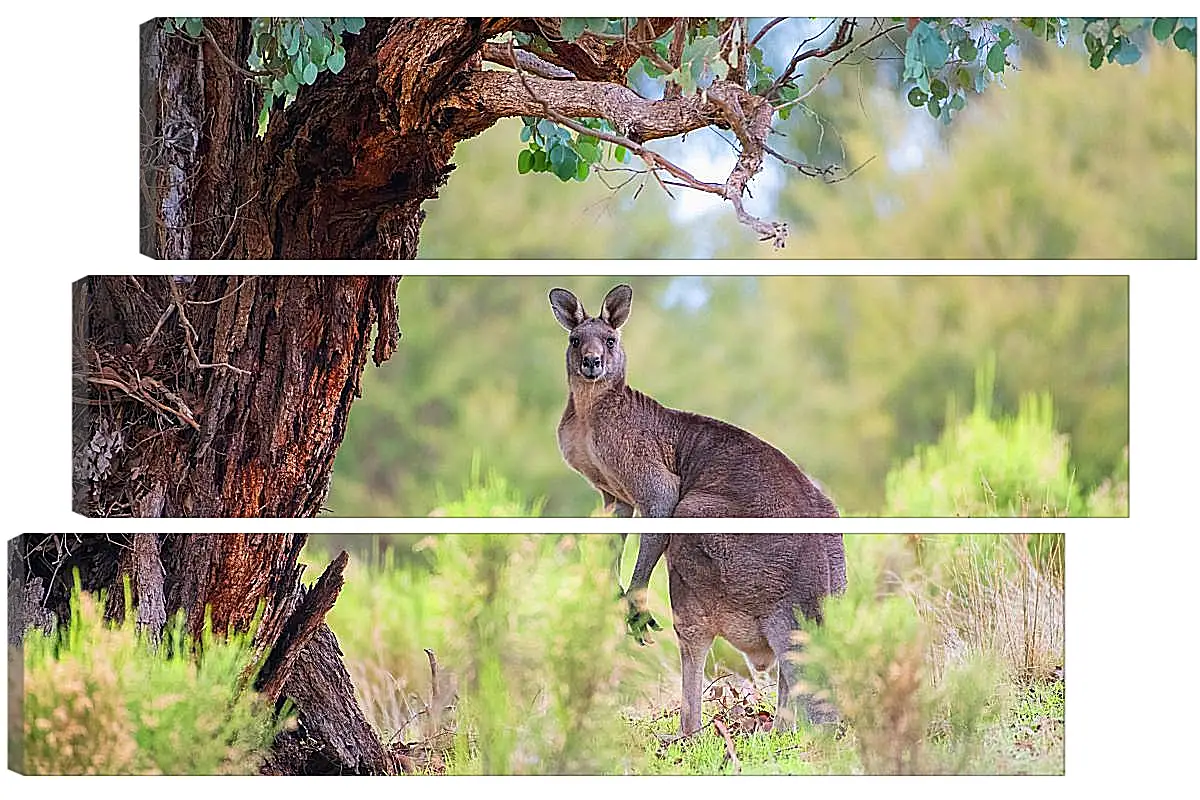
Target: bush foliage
<point>103,699</point>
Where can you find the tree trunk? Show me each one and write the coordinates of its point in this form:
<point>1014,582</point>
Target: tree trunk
<point>219,396</point>
<point>341,173</point>
<point>228,577</point>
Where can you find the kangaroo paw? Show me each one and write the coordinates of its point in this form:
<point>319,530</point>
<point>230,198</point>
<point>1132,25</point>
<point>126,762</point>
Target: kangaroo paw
<point>639,622</point>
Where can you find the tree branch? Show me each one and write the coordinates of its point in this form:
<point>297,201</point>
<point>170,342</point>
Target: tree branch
<point>748,115</point>
<point>765,29</point>
<point>504,56</point>
<point>485,96</point>
<point>843,37</point>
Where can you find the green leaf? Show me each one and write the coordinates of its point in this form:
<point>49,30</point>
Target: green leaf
<point>264,115</point>
<point>336,61</point>
<point>927,47</point>
<point>526,133</point>
<point>194,26</point>
<point>958,102</point>
<point>169,25</point>
<point>1127,53</point>
<point>566,165</point>
<point>1185,39</point>
<point>967,50</point>
<point>939,89</point>
<point>587,151</point>
<point>551,132</point>
<point>1163,27</point>
<point>788,92</point>
<point>698,57</point>
<point>995,58</point>
<point>596,24</point>
<point>310,73</point>
<point>354,24</point>
<point>524,161</point>
<point>290,38</point>
<point>318,50</point>
<point>572,28</point>
<point>935,110</point>
<point>621,154</point>
<point>582,171</point>
<point>916,97</point>
<point>313,27</point>
<point>290,84</point>
<point>540,161</point>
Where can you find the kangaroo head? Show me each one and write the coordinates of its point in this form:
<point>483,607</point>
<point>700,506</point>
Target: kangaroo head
<point>594,351</point>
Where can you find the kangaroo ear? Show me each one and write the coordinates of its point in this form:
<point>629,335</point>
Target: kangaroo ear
<point>617,304</point>
<point>567,309</point>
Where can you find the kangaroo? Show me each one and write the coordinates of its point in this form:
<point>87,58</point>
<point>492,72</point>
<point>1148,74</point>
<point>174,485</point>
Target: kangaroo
<point>656,461</point>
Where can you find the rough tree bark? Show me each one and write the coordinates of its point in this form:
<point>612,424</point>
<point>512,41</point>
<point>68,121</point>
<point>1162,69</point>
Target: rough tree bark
<point>219,396</point>
<point>229,576</point>
<point>341,174</point>
<point>343,171</point>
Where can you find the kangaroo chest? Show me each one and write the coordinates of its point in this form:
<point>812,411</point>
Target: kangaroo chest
<point>577,441</point>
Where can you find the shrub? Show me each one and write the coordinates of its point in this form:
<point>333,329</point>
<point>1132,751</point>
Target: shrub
<point>872,657</point>
<point>535,635</point>
<point>984,466</point>
<point>101,699</point>
<point>1111,497</point>
<point>489,497</point>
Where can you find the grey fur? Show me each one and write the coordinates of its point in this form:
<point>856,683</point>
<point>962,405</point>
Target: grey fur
<point>658,462</point>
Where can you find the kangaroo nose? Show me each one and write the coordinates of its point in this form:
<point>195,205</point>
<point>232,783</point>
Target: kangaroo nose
<point>591,362</point>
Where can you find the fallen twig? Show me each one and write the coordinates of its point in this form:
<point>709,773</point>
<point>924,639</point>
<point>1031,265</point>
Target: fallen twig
<point>730,753</point>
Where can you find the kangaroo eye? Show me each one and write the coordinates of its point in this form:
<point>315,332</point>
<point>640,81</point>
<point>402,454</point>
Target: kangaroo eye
<point>574,341</point>
<point>611,342</point>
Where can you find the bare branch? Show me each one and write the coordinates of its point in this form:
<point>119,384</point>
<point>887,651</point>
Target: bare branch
<point>843,37</point>
<point>765,29</point>
<point>846,55</point>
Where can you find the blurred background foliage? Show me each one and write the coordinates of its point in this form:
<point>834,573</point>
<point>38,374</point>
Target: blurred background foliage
<point>852,377</point>
<point>1061,161</point>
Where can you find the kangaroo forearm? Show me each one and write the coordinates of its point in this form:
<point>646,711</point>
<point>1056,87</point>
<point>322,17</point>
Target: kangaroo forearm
<point>651,546</point>
<point>618,508</point>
